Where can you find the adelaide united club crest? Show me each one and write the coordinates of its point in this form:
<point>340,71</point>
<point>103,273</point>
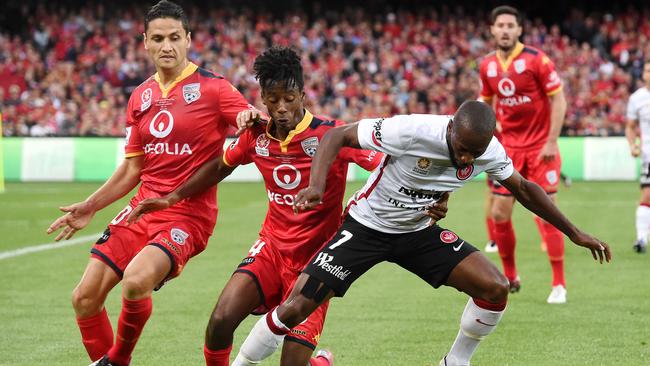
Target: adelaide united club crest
<point>310,145</point>
<point>191,92</point>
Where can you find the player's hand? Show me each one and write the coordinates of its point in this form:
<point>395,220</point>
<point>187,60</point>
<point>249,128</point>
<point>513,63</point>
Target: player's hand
<point>599,250</point>
<point>76,217</point>
<point>146,206</point>
<point>549,151</point>
<point>438,210</point>
<point>246,119</point>
<point>307,199</point>
<point>635,150</point>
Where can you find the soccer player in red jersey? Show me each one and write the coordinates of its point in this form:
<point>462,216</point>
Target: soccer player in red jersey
<point>530,107</point>
<point>176,122</point>
<point>282,150</point>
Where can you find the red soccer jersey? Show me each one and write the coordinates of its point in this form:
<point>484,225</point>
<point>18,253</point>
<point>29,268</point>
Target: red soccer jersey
<point>285,166</point>
<point>522,85</point>
<point>178,129</point>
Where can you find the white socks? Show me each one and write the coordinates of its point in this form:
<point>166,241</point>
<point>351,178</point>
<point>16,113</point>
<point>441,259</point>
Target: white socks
<point>261,341</point>
<point>475,324</point>
<point>642,223</point>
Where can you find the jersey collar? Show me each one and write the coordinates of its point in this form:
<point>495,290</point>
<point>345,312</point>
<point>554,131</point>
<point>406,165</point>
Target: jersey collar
<point>300,127</point>
<point>505,64</point>
<point>187,71</point>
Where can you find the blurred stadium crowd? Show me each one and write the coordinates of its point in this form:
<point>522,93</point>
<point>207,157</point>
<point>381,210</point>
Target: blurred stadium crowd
<point>70,73</point>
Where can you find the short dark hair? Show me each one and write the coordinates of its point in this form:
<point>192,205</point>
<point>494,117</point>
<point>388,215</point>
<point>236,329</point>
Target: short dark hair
<point>279,65</point>
<point>166,9</point>
<point>506,9</point>
<point>477,117</point>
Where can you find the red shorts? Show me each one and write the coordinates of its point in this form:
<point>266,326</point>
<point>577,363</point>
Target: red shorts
<point>174,234</point>
<point>275,281</point>
<point>527,163</point>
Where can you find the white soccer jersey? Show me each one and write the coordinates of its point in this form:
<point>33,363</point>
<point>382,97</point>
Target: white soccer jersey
<point>638,109</point>
<point>416,171</point>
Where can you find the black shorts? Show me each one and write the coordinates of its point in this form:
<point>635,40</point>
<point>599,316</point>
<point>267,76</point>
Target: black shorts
<point>431,254</point>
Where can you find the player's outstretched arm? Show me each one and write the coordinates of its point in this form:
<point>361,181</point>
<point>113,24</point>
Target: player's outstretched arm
<point>328,148</point>
<point>207,176</point>
<point>79,214</point>
<point>535,199</point>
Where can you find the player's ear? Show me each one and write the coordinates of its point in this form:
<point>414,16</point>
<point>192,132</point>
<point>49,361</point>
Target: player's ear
<point>189,39</point>
<point>144,41</point>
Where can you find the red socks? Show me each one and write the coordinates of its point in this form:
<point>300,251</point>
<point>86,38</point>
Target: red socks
<point>489,222</point>
<point>96,334</point>
<point>555,249</point>
<point>219,357</point>
<point>319,361</point>
<point>133,317</point>
<point>504,235</point>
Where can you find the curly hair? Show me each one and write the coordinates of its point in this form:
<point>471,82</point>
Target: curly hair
<point>279,66</point>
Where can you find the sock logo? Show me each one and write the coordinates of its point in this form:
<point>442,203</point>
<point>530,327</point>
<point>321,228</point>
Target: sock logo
<point>481,322</point>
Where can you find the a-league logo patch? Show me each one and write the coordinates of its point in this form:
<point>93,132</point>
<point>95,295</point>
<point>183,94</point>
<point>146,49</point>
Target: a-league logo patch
<point>179,236</point>
<point>309,145</point>
<point>422,166</point>
<point>262,145</point>
<point>464,173</point>
<point>191,92</point>
<point>448,237</point>
<point>146,99</point>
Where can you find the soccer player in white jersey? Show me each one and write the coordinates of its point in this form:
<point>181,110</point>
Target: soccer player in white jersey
<point>638,126</point>
<point>426,157</point>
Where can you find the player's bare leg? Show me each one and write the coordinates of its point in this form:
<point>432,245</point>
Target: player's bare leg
<point>146,271</point>
<point>642,221</point>
<point>296,354</point>
<point>270,330</point>
<point>237,300</point>
<point>505,235</point>
<point>488,288</point>
<point>88,302</point>
<point>491,246</point>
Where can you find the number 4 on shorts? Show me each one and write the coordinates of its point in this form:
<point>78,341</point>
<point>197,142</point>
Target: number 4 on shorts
<point>346,236</point>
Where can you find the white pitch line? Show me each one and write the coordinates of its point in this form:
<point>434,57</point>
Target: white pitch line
<point>48,246</point>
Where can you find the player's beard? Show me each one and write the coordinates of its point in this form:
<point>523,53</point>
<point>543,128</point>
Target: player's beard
<point>506,49</point>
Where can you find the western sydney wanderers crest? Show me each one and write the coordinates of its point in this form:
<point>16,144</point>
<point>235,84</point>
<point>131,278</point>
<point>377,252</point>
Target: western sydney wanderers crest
<point>191,92</point>
<point>146,99</point>
<point>309,145</point>
<point>464,173</point>
<point>422,166</point>
<point>262,145</point>
<point>448,237</point>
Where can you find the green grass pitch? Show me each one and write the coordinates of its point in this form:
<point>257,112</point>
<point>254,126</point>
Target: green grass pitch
<point>389,317</point>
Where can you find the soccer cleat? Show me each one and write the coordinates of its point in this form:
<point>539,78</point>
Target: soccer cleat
<point>640,247</point>
<point>102,362</point>
<point>326,354</point>
<point>557,296</point>
<point>515,285</point>
<point>491,247</point>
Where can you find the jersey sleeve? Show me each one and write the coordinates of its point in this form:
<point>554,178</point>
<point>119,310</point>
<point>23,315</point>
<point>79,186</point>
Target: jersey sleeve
<point>367,159</point>
<point>231,102</point>
<point>133,146</point>
<point>486,92</point>
<point>499,166</point>
<point>632,112</point>
<point>237,152</point>
<point>548,77</point>
<point>392,136</point>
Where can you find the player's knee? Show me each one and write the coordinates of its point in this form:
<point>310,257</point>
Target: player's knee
<point>133,287</point>
<point>498,289</point>
<point>499,214</point>
<point>85,304</point>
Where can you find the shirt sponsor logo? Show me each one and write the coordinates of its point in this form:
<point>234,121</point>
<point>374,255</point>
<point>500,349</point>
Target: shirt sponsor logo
<point>553,80</point>
<point>286,176</point>
<point>179,236</point>
<point>146,99</point>
<point>323,261</point>
<point>191,92</point>
<point>492,69</point>
<point>520,66</point>
<point>161,124</point>
<point>448,237</point>
<point>376,132</point>
<point>422,166</point>
<point>425,195</point>
<point>280,199</point>
<point>166,148</point>
<point>464,173</point>
<point>515,101</point>
<point>309,146</point>
<point>506,87</point>
<point>262,145</point>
